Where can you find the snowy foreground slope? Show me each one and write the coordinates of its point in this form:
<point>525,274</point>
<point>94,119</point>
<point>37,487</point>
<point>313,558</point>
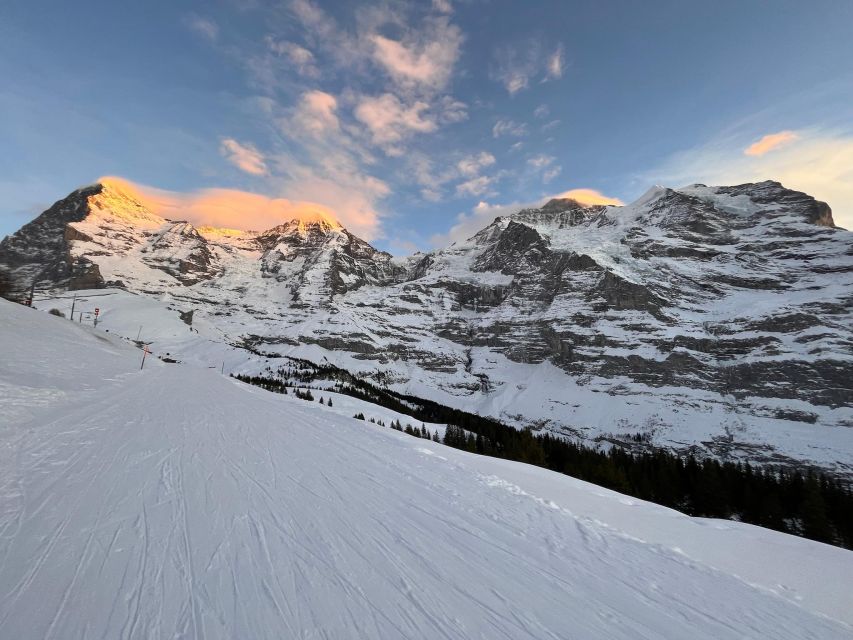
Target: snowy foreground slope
<point>175,502</point>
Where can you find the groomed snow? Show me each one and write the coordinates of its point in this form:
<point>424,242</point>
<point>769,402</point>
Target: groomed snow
<point>175,502</point>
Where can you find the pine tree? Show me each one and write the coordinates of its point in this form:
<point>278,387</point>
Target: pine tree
<point>813,510</point>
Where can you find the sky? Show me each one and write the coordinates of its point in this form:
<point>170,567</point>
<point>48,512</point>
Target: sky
<point>416,122</point>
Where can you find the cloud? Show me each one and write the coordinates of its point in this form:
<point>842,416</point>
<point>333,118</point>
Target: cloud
<point>340,185</point>
<point>545,163</point>
<point>554,66</point>
<point>516,66</point>
<point>316,113</point>
<point>452,110</point>
<point>342,47</point>
<point>540,161</point>
<point>390,121</point>
<point>418,58</point>
<point>223,208</point>
<point>509,128</point>
<point>475,186</point>
<point>770,142</point>
<point>818,162</point>
<point>243,156</point>
<point>300,58</point>
<point>589,197</point>
<point>473,164</point>
<point>468,169</point>
<point>426,61</point>
<point>542,111</point>
<point>204,27</point>
<point>551,173</point>
<point>421,168</point>
<point>330,142</point>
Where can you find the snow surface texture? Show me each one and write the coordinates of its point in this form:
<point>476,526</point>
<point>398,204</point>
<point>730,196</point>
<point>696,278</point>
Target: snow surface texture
<point>710,319</point>
<point>175,502</point>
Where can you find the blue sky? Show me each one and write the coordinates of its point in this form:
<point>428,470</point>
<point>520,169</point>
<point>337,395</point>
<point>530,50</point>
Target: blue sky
<point>416,122</point>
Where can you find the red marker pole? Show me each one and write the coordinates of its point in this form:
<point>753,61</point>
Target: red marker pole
<point>145,352</point>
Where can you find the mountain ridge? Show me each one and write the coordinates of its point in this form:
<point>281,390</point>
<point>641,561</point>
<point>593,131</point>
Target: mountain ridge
<point>717,318</point>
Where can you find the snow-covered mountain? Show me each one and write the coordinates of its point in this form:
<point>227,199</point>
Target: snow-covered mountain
<point>714,319</point>
<point>176,502</point>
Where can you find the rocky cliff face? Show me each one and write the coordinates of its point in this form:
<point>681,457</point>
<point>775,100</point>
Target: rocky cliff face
<point>709,318</point>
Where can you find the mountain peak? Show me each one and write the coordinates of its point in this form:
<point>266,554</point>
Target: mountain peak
<point>310,222</point>
<point>120,199</point>
<point>555,205</point>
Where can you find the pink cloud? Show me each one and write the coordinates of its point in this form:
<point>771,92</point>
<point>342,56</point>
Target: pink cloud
<point>589,197</point>
<point>231,208</point>
<point>770,142</point>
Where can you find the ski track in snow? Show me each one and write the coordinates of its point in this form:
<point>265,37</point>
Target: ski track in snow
<point>176,503</point>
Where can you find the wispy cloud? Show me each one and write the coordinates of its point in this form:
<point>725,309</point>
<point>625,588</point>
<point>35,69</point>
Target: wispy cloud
<point>540,161</point>
<point>468,171</point>
<point>517,66</point>
<point>425,59</point>
<point>202,26</point>
<point>549,125</point>
<point>477,186</point>
<point>554,66</point>
<point>770,142</point>
<point>509,128</point>
<point>547,165</point>
<point>442,6</point>
<point>243,156</point>
<point>298,57</point>
<point>475,163</point>
<point>551,173</point>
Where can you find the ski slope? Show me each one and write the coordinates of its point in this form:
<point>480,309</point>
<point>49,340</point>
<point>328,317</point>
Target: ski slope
<point>177,503</point>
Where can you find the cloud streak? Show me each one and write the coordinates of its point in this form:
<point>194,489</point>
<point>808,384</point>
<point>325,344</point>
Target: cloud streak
<point>243,156</point>
<point>509,128</point>
<point>770,142</point>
